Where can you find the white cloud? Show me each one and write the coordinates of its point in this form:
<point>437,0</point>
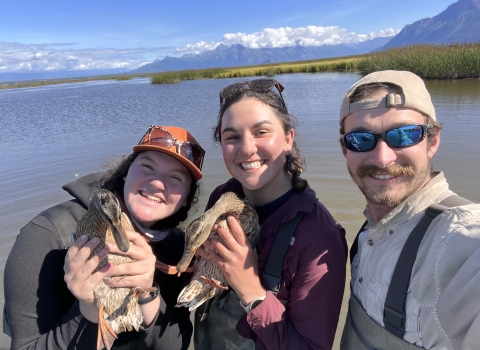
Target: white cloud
<point>280,37</point>
<point>17,57</point>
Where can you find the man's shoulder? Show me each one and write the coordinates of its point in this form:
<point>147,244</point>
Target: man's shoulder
<point>461,219</point>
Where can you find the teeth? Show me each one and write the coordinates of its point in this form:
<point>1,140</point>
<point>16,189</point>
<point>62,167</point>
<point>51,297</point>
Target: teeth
<point>383,177</point>
<point>153,198</point>
<point>251,165</point>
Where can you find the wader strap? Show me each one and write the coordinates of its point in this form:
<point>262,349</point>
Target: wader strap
<point>354,248</point>
<point>394,310</point>
<point>273,270</point>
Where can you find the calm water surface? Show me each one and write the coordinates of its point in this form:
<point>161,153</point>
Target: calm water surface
<point>51,135</point>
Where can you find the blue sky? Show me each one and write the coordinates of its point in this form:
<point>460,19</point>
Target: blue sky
<point>83,35</point>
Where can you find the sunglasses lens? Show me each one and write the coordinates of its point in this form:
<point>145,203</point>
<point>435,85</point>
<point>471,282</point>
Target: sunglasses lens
<point>193,153</point>
<point>404,136</point>
<point>161,138</point>
<point>359,141</point>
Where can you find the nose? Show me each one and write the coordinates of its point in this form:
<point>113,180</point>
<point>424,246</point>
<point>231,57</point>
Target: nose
<point>248,146</point>
<point>157,183</point>
<point>382,155</point>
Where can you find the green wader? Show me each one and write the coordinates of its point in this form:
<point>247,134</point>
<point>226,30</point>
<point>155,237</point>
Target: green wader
<point>218,330</point>
<point>363,333</point>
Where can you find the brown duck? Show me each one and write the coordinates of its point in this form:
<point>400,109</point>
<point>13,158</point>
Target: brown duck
<point>208,280</point>
<point>118,307</point>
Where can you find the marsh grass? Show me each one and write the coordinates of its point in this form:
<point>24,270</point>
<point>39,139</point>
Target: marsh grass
<point>269,70</point>
<point>429,61</point>
<point>124,77</point>
<point>454,61</point>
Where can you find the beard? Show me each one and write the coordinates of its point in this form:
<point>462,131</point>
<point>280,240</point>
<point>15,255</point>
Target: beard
<point>394,193</point>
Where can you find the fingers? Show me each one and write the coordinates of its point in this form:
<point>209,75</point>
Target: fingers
<point>79,243</point>
<point>201,252</point>
<point>79,269</point>
<point>138,273</point>
<point>79,253</point>
<point>237,231</point>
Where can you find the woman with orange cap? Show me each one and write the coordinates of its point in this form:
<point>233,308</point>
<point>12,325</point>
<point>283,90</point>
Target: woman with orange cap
<point>49,289</point>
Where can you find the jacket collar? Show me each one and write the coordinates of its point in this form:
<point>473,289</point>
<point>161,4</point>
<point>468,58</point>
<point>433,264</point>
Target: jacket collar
<point>84,187</point>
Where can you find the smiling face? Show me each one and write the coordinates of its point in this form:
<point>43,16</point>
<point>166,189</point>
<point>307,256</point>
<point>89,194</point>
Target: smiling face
<point>254,147</point>
<point>386,175</point>
<point>156,186</point>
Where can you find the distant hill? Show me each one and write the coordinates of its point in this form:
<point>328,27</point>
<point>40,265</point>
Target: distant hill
<point>460,22</point>
<point>238,55</point>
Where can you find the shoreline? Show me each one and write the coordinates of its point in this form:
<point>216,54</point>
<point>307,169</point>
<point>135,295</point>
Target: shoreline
<point>429,61</point>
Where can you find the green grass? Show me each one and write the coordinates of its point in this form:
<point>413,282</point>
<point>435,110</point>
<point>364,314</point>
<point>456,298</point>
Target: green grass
<point>429,61</point>
<point>330,64</point>
<point>454,61</point>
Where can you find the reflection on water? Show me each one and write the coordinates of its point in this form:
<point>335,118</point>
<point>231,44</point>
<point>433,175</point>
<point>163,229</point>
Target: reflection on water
<point>50,135</point>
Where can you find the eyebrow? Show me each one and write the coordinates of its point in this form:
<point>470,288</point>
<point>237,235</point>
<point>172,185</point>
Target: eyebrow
<point>256,125</point>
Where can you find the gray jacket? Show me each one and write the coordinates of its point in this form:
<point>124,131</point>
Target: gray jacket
<point>42,312</point>
<point>443,300</point>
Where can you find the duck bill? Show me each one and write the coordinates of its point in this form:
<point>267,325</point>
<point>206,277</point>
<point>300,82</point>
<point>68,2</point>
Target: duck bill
<point>120,238</point>
<point>185,261</point>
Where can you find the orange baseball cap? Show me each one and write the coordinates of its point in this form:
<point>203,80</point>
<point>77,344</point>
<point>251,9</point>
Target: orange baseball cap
<point>177,143</point>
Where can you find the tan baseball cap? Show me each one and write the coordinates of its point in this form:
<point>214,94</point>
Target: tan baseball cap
<point>414,94</point>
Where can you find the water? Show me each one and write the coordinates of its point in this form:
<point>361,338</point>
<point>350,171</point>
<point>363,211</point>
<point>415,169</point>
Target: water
<point>51,135</point>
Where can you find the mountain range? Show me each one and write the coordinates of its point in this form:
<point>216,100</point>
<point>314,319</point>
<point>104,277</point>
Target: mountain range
<point>238,55</point>
<point>460,22</point>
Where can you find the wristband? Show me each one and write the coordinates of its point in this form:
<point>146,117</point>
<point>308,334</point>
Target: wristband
<point>253,304</point>
<point>151,295</point>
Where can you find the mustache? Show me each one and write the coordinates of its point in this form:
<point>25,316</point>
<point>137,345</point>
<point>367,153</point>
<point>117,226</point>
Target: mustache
<point>393,170</point>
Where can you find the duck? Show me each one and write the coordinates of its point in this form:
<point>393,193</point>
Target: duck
<point>119,310</point>
<point>208,281</point>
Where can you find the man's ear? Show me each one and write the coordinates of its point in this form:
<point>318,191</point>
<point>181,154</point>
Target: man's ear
<point>433,145</point>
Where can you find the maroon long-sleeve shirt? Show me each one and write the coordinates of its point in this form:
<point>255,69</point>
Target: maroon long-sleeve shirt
<point>312,281</point>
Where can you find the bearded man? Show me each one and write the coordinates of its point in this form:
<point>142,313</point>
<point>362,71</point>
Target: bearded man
<point>415,263</point>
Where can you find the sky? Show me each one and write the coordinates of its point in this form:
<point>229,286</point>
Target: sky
<point>69,35</point>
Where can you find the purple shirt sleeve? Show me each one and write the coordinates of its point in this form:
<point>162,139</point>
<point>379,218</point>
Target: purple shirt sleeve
<point>316,279</point>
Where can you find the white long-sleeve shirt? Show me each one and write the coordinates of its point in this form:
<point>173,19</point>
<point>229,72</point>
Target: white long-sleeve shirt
<point>443,300</point>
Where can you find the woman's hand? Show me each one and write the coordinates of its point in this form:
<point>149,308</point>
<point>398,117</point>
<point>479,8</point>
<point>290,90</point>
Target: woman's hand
<point>237,260</point>
<point>139,273</point>
<point>78,274</point>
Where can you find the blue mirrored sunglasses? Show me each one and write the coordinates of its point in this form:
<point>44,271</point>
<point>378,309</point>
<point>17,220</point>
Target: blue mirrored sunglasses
<point>400,137</point>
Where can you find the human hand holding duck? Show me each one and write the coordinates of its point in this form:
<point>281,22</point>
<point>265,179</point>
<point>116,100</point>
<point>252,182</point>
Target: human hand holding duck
<point>237,260</point>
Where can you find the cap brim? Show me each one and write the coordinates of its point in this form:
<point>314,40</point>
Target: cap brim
<point>197,175</point>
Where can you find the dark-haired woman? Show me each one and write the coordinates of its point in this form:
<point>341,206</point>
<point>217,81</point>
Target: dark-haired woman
<point>49,290</point>
<point>257,137</point>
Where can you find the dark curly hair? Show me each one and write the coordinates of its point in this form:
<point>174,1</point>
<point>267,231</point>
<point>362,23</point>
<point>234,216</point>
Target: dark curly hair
<point>295,162</point>
<point>113,180</point>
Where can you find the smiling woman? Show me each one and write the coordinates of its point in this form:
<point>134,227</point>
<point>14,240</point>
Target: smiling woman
<point>155,187</point>
<point>301,309</point>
